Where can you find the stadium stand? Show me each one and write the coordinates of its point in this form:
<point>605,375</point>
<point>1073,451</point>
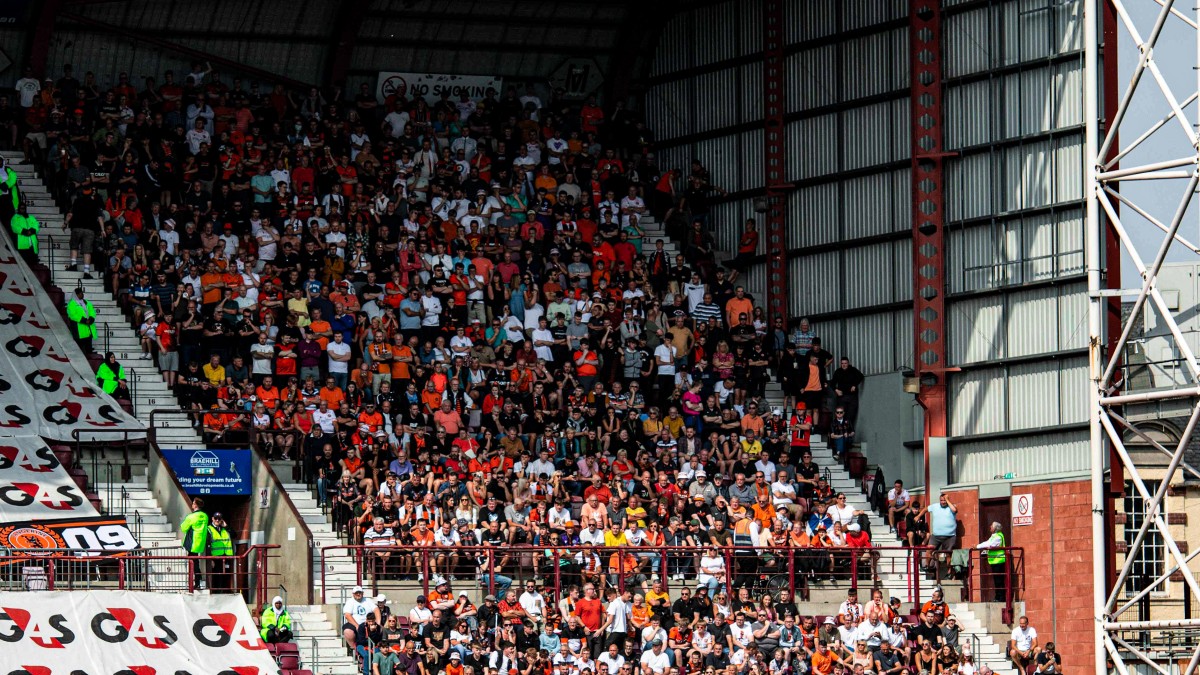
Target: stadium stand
<point>467,333</point>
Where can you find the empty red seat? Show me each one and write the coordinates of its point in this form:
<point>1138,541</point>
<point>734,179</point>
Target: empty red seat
<point>288,661</point>
<point>297,672</point>
<point>80,477</point>
<point>65,456</point>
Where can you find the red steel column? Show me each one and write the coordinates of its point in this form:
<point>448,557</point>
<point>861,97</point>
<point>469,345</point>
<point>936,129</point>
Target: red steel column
<point>775,156</point>
<point>928,216</point>
<point>1111,96</point>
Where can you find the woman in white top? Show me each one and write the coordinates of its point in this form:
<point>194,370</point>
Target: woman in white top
<point>722,604</point>
<point>712,571</point>
<point>840,512</point>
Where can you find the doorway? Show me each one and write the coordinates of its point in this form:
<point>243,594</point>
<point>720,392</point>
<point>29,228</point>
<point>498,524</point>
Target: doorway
<point>992,511</point>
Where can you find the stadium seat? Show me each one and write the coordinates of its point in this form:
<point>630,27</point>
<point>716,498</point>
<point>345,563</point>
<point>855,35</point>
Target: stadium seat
<point>34,578</point>
<point>80,477</point>
<point>288,661</point>
<point>65,455</point>
<point>42,274</point>
<point>57,297</point>
<point>297,672</point>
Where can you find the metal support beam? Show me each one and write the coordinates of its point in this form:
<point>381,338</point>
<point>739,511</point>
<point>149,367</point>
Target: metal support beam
<point>154,40</point>
<point>1146,233</point>
<point>928,219</point>
<point>39,49</point>
<point>341,48</point>
<point>775,139</point>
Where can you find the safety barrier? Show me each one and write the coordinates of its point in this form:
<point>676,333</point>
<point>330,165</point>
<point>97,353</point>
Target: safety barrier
<point>763,569</point>
<point>141,570</point>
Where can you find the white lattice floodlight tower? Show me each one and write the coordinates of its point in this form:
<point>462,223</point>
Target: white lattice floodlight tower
<point>1134,224</point>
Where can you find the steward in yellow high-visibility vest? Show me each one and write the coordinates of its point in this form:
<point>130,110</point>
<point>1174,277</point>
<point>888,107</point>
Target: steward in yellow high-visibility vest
<point>997,560</point>
<point>82,315</point>
<point>25,228</point>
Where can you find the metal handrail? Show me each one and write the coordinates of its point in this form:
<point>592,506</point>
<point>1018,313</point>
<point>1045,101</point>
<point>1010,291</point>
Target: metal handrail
<point>66,569</point>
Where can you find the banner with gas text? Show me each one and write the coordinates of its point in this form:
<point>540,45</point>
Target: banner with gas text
<point>35,485</point>
<point>47,388</point>
<point>110,632</point>
<point>43,511</point>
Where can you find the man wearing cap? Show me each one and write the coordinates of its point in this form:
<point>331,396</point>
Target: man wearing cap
<point>354,614</point>
<point>655,661</point>
<point>275,622</point>
<point>220,547</point>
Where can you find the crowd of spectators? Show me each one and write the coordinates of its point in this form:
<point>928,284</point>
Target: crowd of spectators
<point>450,315</point>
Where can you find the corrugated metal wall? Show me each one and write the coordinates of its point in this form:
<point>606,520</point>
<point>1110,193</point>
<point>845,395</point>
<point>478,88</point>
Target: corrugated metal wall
<point>1016,313</point>
<point>277,37</point>
<point>1014,243</point>
<point>13,40</point>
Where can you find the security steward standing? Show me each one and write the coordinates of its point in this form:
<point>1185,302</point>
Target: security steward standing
<point>82,315</point>
<point>220,547</point>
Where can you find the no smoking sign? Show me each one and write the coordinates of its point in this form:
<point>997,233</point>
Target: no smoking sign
<point>1022,510</point>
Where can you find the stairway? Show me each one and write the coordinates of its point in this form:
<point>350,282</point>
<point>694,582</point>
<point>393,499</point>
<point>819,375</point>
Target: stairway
<point>338,567</point>
<point>988,652</point>
<point>321,647</point>
<point>149,390</point>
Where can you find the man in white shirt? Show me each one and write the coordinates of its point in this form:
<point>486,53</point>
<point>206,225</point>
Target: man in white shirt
<point>533,602</point>
<point>543,342</point>
<point>616,621</point>
<point>631,205</point>
<point>612,658</point>
<point>1022,644</point>
<point>898,500</point>
<point>339,360</point>
<point>873,632</point>
<point>354,612</point>
<point>655,661</point>
<point>28,88</point>
<point>395,122</point>
<point>565,662</point>
<point>262,355</point>
<point>741,632</point>
<point>851,610</point>
<point>325,418</point>
<point>446,538</point>
<point>783,493</point>
<point>431,310</point>
<point>541,465</point>
<point>592,535</point>
<point>664,358</point>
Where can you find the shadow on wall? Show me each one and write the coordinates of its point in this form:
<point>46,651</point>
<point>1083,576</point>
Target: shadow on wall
<point>887,419</point>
